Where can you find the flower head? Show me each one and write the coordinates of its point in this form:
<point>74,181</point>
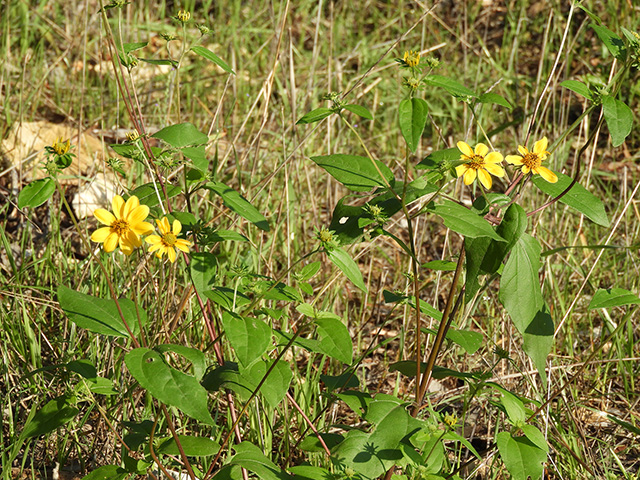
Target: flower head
<point>168,240</point>
<point>183,16</point>
<point>411,58</point>
<point>124,226</point>
<point>532,161</point>
<point>60,147</point>
<point>479,163</point>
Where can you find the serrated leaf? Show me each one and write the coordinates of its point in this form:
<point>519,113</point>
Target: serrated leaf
<point>169,385</point>
<point>412,117</point>
<point>51,416</point>
<point>613,297</point>
<point>250,337</point>
<point>315,116</point>
<point>578,87</point>
<point>494,98</point>
<point>520,291</point>
<point>359,110</point>
<point>181,135</point>
<point>462,220</point>
<point>36,193</point>
<point>209,55</point>
<point>99,315</point>
<point>355,172</point>
<point>613,42</point>
<point>578,197</point>
<point>619,118</point>
<point>538,341</point>
<point>348,266</point>
<point>522,458</point>
<point>240,205</point>
<point>335,340</point>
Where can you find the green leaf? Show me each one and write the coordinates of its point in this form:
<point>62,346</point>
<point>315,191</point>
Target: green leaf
<point>107,472</point>
<point>520,291</point>
<point>227,297</point>
<point>462,220</point>
<point>512,404</point>
<point>619,118</point>
<point>131,47</point>
<point>538,341</point>
<point>36,193</point>
<point>250,337</point>
<point>434,159</point>
<point>535,436</point>
<point>578,87</point>
<point>203,268</point>
<point>277,383</point>
<point>359,110</point>
<point>236,202</point>
<point>522,457</point>
<point>311,443</point>
<point>195,356</point>
<point>347,379</point>
<point>198,157</point>
<point>251,457</point>
<point>613,42</point>
<point>355,172</point>
<point>315,115</point>
<point>348,266</point>
<point>51,416</point>
<point>453,87</point>
<point>578,197</point>
<point>156,61</point>
<point>335,340</point>
<point>169,385</point>
<point>181,135</point>
<point>99,315</point>
<point>495,99</point>
<point>468,340</point>
<point>309,472</point>
<point>613,297</point>
<point>412,116</point>
<point>209,55</point>
<point>148,195</point>
<point>192,446</point>
<point>440,265</point>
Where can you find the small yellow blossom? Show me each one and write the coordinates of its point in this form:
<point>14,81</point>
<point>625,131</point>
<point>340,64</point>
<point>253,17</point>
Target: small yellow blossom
<point>60,147</point>
<point>183,16</point>
<point>168,240</point>
<point>532,161</point>
<point>124,226</point>
<point>132,136</point>
<point>480,163</point>
<point>411,58</point>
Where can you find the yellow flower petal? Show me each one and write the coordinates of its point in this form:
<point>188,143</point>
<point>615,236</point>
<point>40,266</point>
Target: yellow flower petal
<point>493,157</point>
<point>101,234</point>
<point>163,226</point>
<point>142,228</point>
<point>138,214</point>
<point>514,159</point>
<point>465,149</point>
<point>130,206</point>
<point>523,151</point>
<point>177,227</point>
<point>182,245</point>
<point>494,169</point>
<point>469,176</point>
<point>111,242</point>
<point>460,169</point>
<point>104,216</point>
<point>155,246</point>
<point>171,253</point>
<point>540,147</point>
<point>482,149</point>
<point>117,205</point>
<point>547,174</point>
<point>484,178</point>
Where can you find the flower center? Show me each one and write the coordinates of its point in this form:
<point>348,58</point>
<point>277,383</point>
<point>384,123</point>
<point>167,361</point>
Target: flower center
<point>169,239</point>
<point>476,162</point>
<point>531,160</point>
<point>120,227</point>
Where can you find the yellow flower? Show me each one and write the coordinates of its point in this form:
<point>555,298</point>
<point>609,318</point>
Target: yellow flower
<point>59,147</point>
<point>183,16</point>
<point>532,161</point>
<point>124,225</point>
<point>168,240</point>
<point>411,58</point>
<point>480,163</point>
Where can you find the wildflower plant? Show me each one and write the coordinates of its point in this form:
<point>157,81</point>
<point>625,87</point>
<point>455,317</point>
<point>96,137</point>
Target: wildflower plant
<point>210,403</point>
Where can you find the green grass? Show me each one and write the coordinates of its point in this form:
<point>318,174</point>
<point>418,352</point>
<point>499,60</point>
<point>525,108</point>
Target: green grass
<point>55,66</point>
